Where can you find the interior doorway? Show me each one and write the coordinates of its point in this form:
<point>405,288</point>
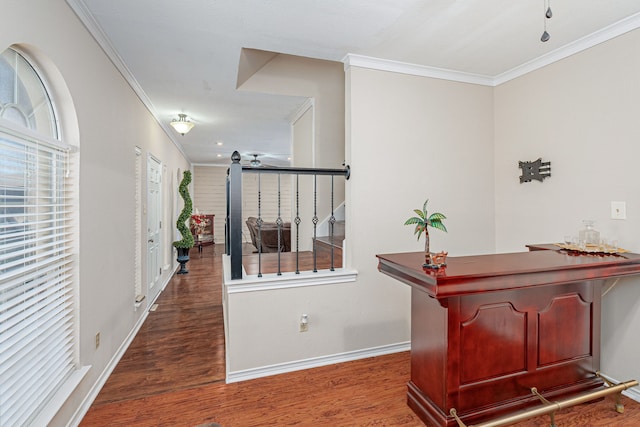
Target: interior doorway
<point>154,226</point>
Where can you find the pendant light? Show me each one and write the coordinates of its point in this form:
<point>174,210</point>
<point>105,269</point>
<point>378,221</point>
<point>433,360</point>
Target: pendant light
<point>547,15</point>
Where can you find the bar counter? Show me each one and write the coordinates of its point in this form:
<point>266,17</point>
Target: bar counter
<point>485,329</point>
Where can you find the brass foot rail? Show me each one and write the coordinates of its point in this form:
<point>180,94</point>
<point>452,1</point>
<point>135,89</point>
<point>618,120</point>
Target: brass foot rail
<point>552,407</point>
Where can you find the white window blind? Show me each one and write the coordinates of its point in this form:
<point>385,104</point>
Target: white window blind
<point>36,294</point>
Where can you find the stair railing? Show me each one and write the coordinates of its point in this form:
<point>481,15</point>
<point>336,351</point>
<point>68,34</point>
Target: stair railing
<point>233,222</point>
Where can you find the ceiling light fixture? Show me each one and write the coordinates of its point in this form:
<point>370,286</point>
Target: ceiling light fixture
<point>547,15</point>
<point>255,162</point>
<point>182,125</point>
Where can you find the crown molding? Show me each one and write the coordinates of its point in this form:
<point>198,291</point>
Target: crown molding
<point>296,115</point>
<point>612,31</point>
<point>92,26</point>
<point>354,60</point>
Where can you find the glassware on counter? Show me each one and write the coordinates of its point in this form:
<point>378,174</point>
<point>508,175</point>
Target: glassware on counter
<point>589,236</point>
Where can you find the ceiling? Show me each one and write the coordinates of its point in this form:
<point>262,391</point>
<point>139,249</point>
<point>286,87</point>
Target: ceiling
<point>182,57</point>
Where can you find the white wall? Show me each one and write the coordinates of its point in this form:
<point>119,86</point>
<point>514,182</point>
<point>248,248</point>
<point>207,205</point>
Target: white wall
<point>582,114</point>
<point>101,98</point>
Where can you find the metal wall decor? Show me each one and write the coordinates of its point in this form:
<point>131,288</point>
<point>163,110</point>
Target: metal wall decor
<point>537,170</point>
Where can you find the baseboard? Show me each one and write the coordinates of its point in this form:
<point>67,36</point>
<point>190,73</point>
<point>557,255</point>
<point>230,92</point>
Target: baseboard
<point>633,393</point>
<point>82,410</point>
<point>298,365</point>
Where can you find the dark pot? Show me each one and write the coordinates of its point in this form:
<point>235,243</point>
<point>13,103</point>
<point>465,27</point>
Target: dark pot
<point>183,258</point>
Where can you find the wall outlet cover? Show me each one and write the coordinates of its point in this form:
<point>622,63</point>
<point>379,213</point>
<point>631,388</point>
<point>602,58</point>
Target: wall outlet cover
<point>618,210</point>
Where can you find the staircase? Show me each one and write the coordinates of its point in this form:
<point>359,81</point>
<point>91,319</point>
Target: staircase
<point>323,244</point>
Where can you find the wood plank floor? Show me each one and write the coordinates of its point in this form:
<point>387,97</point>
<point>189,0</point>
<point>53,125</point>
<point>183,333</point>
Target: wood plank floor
<point>173,375</point>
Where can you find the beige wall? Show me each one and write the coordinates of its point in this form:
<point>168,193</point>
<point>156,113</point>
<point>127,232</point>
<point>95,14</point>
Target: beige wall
<point>582,115</point>
<point>413,138</point>
<point>100,98</point>
<point>303,149</point>
<point>322,81</point>
<point>409,138</point>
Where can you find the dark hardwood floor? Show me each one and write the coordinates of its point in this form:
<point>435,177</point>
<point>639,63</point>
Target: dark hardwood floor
<point>173,375</point>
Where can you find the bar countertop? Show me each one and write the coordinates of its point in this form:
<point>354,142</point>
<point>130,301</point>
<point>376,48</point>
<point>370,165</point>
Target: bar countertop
<point>495,272</point>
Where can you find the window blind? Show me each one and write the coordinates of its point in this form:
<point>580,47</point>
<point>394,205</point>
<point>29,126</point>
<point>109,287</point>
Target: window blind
<point>37,339</point>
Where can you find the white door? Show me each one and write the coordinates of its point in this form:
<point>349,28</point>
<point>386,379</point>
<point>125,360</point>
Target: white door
<point>154,226</point>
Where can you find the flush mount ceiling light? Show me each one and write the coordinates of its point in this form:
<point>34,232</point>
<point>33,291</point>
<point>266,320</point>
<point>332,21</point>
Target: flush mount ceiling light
<point>182,125</point>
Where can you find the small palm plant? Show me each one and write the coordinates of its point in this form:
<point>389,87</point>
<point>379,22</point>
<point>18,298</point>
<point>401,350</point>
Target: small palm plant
<point>422,222</point>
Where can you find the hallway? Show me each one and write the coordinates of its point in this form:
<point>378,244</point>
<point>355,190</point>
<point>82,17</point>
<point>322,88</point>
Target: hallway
<point>173,375</point>
<point>182,339</point>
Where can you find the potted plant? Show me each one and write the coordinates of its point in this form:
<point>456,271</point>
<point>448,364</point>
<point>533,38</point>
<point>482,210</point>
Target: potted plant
<point>422,222</point>
<point>183,245</point>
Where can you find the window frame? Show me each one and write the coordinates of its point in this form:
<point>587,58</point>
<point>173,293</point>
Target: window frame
<point>67,374</point>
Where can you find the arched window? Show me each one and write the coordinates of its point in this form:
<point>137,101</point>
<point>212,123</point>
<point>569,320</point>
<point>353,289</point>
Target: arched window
<point>37,313</point>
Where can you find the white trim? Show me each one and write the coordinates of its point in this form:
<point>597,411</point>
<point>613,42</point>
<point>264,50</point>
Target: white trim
<point>60,397</point>
<point>17,131</point>
<point>322,230</point>
<point>633,393</point>
<point>193,165</point>
<point>309,103</point>
<point>92,26</point>
<point>270,282</point>
<point>84,407</point>
<point>616,29</point>
<point>314,362</point>
<point>352,60</point>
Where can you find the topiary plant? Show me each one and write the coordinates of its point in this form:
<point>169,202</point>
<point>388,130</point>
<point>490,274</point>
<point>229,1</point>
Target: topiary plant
<point>187,238</point>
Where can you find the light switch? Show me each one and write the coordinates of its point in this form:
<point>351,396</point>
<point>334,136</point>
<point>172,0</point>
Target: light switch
<point>618,210</point>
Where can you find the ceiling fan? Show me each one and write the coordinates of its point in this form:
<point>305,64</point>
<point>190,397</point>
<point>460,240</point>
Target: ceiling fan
<point>255,162</point>
<point>260,160</point>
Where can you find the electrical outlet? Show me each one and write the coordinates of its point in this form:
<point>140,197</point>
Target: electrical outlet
<point>304,323</point>
<point>98,340</point>
<point>618,210</point>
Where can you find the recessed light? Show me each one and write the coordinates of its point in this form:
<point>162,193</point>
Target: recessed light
<point>219,155</point>
<point>218,143</point>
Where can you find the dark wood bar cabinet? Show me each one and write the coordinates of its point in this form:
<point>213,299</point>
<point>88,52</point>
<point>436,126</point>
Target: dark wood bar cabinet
<point>486,329</point>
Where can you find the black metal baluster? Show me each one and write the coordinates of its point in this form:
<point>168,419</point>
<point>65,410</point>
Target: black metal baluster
<point>332,222</point>
<point>279,224</point>
<point>259,223</point>
<point>235,214</point>
<point>234,220</point>
<point>297,221</point>
<point>227,235</point>
<point>315,221</point>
